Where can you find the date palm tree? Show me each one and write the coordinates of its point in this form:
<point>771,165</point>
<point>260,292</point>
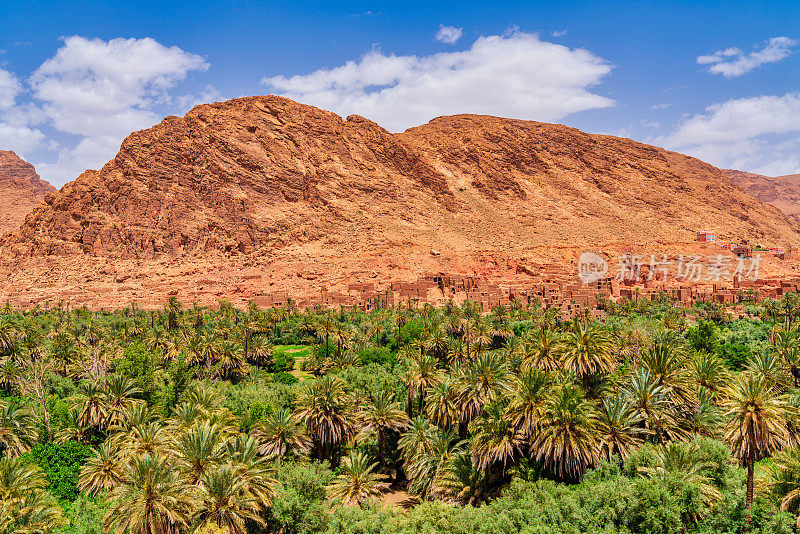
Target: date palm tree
<point>173,309</point>
<point>618,427</point>
<point>496,441</point>
<point>120,395</point>
<point>429,460</point>
<point>586,351</point>
<point>459,481</point>
<point>382,414</point>
<point>152,499</point>
<point>441,407</point>
<point>708,370</point>
<point>231,363</point>
<point>25,506</point>
<point>479,383</point>
<point>199,449</point>
<point>326,409</point>
<point>90,402</point>
<point>756,422</point>
<point>542,350</point>
<point>223,502</point>
<point>666,361</point>
<point>261,351</point>
<point>9,375</point>
<point>651,403</point>
<point>770,366</point>
<point>785,480</point>
<point>17,428</point>
<point>357,480</point>
<point>568,443</point>
<point>253,469</point>
<point>416,439</point>
<point>527,394</point>
<point>103,471</point>
<point>281,434</point>
<point>421,374</point>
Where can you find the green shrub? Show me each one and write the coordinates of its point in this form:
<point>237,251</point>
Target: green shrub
<point>300,506</point>
<point>61,464</point>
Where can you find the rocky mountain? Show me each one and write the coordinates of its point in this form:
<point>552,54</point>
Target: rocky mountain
<point>783,192</point>
<point>265,172</point>
<point>21,190</point>
<point>266,194</point>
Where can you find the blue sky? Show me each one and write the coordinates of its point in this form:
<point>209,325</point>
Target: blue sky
<point>719,80</point>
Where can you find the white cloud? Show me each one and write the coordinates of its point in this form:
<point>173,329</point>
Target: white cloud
<point>514,75</point>
<point>95,87</point>
<point>21,139</point>
<point>448,34</point>
<point>98,90</point>
<point>15,121</point>
<point>559,33</point>
<point>758,134</point>
<point>732,62</point>
<point>90,153</point>
<point>657,107</point>
<point>9,89</point>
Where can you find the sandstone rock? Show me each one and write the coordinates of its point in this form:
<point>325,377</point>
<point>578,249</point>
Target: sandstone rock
<point>21,190</point>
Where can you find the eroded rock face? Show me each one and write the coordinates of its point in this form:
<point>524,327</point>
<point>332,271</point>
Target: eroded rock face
<point>235,176</point>
<point>21,190</point>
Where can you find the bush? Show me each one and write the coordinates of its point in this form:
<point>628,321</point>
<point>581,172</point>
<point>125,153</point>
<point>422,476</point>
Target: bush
<point>284,378</point>
<point>61,464</point>
<point>85,516</point>
<point>379,355</point>
<point>299,506</point>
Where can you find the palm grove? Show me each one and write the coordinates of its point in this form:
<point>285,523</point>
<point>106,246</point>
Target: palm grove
<point>658,419</point>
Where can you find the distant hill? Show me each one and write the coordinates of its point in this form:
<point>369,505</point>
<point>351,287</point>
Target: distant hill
<point>783,192</point>
<point>265,172</point>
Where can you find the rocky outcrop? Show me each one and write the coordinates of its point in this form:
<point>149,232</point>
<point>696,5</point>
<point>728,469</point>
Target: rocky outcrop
<point>236,176</point>
<point>21,190</point>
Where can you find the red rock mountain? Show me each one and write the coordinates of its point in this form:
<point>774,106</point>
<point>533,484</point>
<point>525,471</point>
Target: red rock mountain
<point>783,192</point>
<point>262,172</point>
<point>21,190</point>
<point>263,193</point>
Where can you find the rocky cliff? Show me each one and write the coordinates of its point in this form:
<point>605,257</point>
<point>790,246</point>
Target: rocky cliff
<point>21,190</point>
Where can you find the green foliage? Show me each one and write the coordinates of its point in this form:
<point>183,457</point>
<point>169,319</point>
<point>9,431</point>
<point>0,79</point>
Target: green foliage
<point>299,506</point>
<point>284,378</point>
<point>704,336</point>
<point>139,364</point>
<point>85,516</point>
<point>61,464</point>
<point>379,355</point>
<point>284,359</point>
